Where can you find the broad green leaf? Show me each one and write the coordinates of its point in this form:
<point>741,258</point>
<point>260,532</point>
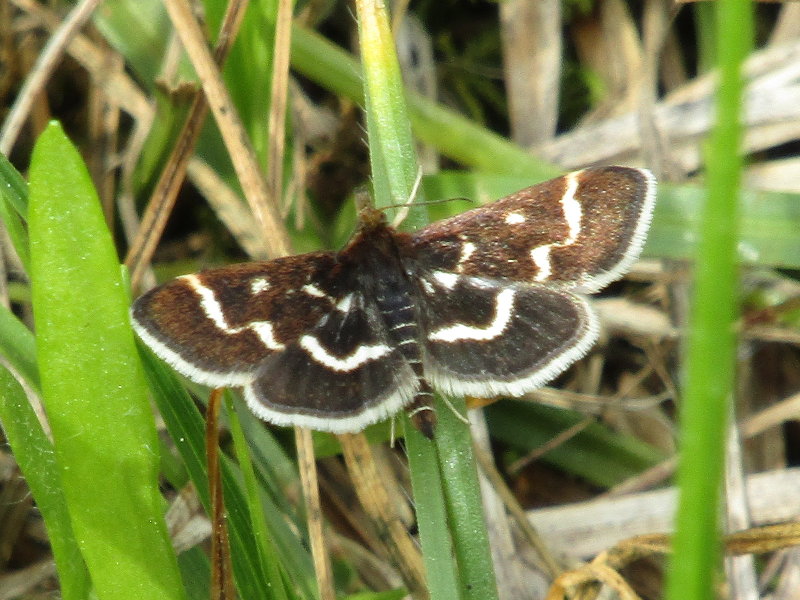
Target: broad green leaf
<point>92,385</point>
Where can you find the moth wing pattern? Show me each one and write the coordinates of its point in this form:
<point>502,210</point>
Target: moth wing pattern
<point>487,338</point>
<point>502,286</point>
<point>216,326</point>
<point>346,357</point>
<point>579,231</point>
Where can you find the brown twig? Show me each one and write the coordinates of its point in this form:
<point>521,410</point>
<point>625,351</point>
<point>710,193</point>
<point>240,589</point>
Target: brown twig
<point>222,585</point>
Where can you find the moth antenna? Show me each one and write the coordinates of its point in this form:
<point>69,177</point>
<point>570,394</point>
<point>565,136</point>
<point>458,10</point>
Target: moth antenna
<point>430,202</point>
<point>403,213</point>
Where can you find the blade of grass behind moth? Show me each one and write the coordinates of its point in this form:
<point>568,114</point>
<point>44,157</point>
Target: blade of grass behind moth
<point>391,146</point>
<point>222,587</point>
<point>233,132</point>
<point>263,537</point>
<point>185,426</point>
<point>394,170</point>
<point>162,200</point>
<point>14,208</point>
<point>464,504</point>
<point>431,510</point>
<point>373,497</point>
<point>308,477</point>
<point>35,456</point>
<point>395,154</point>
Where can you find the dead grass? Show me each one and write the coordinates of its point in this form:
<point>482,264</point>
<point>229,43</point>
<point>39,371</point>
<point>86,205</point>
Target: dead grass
<point>655,109</point>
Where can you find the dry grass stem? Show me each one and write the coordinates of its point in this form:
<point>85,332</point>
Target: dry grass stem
<point>103,129</point>
<point>162,200</point>
<point>38,77</point>
<point>373,497</point>
<point>234,135</point>
<point>278,101</point>
<point>741,570</point>
<point>773,416</point>
<point>308,476</point>
<point>605,568</point>
<point>228,206</point>
<point>531,36</point>
<point>222,585</point>
<point>685,118</point>
<point>584,529</point>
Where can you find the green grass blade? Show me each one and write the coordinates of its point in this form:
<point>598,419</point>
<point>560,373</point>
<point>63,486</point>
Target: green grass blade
<point>391,148</point>
<point>92,385</point>
<point>431,509</point>
<point>596,454</point>
<point>710,361</point>
<point>464,505</point>
<point>393,155</point>
<point>186,427</point>
<point>14,209</point>
<point>468,143</point>
<point>14,187</point>
<point>36,459</point>
<point>261,534</point>
<point>18,347</point>
<point>196,573</point>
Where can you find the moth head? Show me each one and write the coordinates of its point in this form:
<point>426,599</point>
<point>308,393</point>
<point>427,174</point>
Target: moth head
<point>369,217</point>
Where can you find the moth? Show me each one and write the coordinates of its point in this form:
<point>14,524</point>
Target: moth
<point>491,302</point>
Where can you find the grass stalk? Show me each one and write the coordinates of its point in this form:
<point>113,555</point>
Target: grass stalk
<point>710,360</point>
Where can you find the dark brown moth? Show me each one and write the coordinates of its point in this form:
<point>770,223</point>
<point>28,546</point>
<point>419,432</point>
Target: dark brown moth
<point>487,303</point>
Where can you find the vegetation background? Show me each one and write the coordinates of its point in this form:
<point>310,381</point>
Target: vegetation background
<point>485,98</point>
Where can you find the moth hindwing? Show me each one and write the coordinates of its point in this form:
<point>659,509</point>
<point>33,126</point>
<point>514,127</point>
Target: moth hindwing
<point>490,302</point>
